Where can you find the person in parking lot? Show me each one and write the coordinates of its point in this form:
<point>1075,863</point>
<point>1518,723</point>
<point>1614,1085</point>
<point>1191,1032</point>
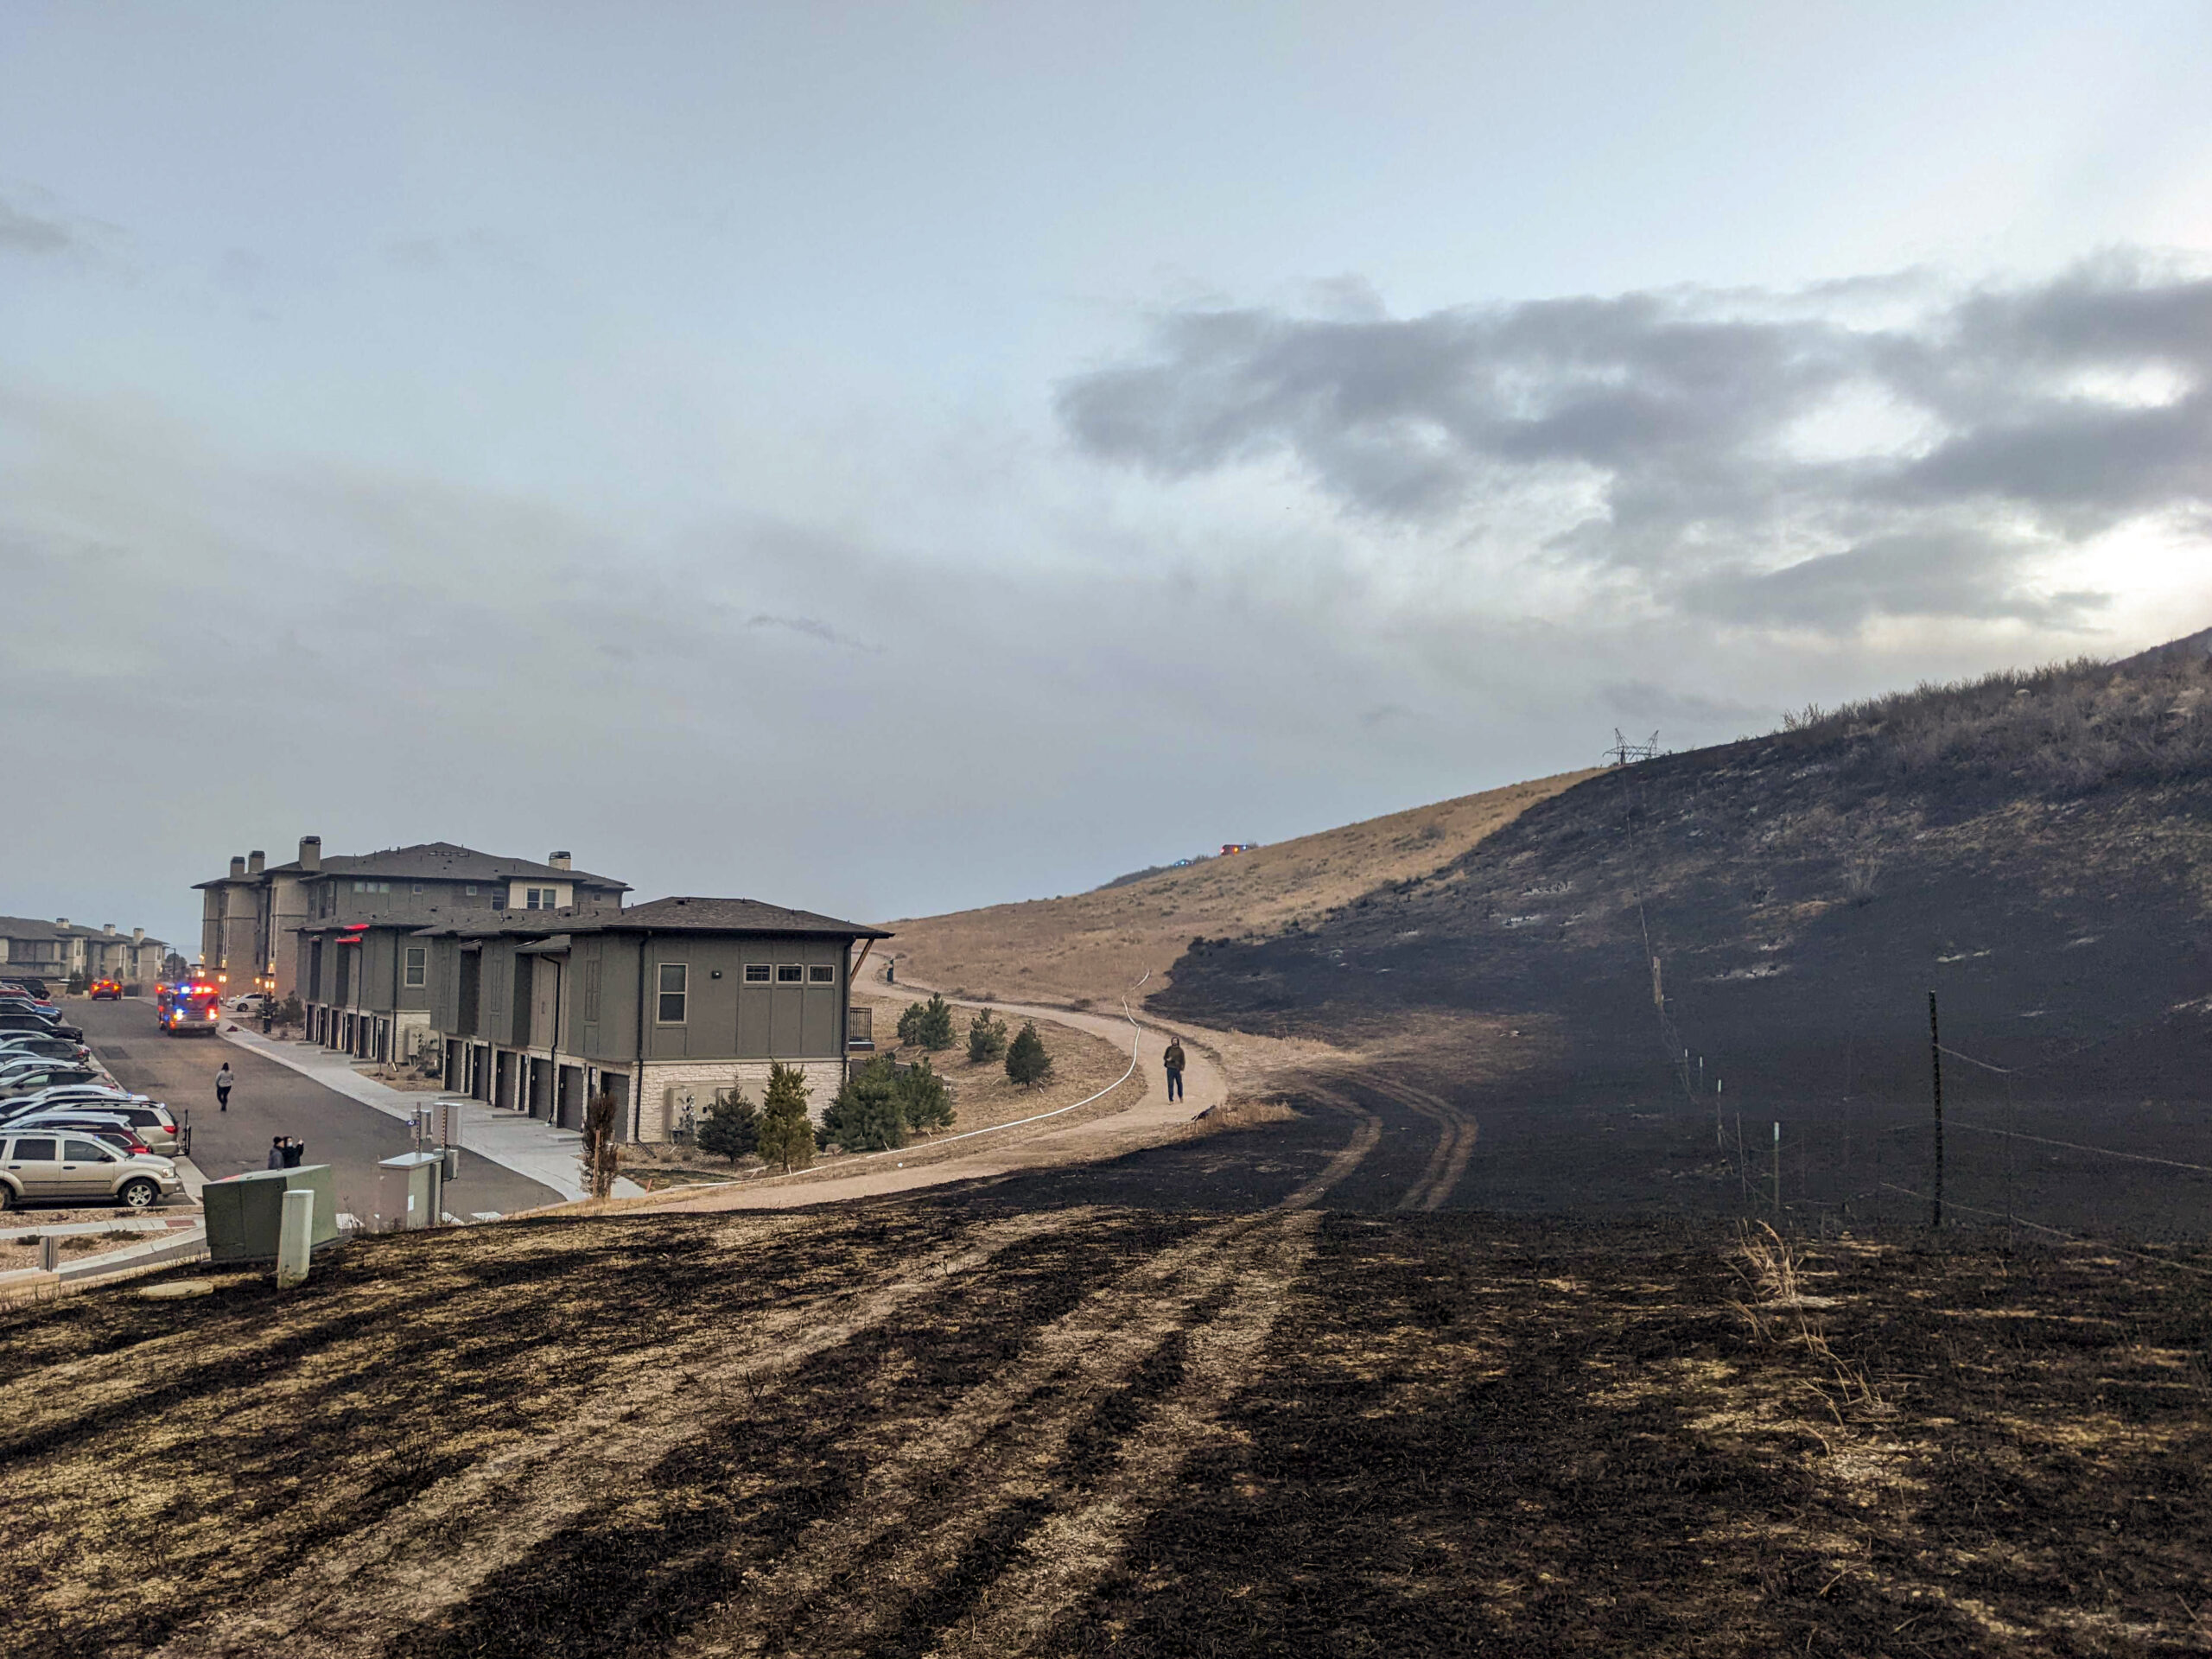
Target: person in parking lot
<point>223,1081</point>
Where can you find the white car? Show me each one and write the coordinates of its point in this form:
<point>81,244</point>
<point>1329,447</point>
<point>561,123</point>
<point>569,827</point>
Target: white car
<point>250,1002</point>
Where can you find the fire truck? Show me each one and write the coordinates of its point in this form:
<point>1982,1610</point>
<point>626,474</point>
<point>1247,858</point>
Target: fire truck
<point>191,1007</point>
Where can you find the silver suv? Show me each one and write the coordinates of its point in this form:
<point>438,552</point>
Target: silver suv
<point>60,1167</point>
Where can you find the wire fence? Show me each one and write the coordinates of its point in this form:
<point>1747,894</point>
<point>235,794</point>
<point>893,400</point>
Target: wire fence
<point>1972,1149</point>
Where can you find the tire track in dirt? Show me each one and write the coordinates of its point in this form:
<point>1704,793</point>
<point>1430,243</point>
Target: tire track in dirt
<point>1150,1349</point>
<point>1012,1433</point>
<point>1455,1143</point>
<point>1073,1548</point>
<point>435,1551</point>
<point>685,1534</point>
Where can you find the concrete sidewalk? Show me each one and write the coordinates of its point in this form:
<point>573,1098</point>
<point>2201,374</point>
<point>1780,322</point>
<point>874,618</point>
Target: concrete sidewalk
<point>528,1146</point>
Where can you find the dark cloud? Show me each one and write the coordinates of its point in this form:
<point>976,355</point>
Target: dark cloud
<point>810,627</point>
<point>1924,467</point>
<point>28,233</point>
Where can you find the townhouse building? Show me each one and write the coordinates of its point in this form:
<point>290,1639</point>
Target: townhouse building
<point>57,950</point>
<point>663,1005</point>
<point>250,919</point>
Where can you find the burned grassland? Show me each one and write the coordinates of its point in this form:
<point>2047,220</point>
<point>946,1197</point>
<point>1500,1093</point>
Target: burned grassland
<point>957,1426</point>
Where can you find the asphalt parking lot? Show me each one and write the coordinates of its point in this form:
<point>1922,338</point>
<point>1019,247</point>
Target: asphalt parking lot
<point>270,1100</point>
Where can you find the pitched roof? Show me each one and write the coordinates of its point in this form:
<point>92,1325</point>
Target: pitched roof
<point>443,861</point>
<point>30,927</point>
<point>684,915</point>
<point>695,914</point>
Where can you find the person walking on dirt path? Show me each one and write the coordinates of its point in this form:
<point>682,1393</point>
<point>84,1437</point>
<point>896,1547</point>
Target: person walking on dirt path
<point>1173,1059</point>
<point>223,1081</point>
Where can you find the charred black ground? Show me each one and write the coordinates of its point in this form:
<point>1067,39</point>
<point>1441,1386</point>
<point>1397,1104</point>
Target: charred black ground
<point>955,1426</point>
<point>2035,848</point>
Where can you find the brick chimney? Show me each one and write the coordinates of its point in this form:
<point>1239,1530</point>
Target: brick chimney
<point>310,853</point>
<point>558,860</point>
<point>256,863</point>
<point>108,928</point>
<point>61,921</point>
<point>237,866</point>
<point>137,936</point>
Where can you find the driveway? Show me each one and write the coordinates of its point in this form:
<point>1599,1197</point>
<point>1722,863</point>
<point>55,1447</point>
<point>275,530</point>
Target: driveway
<point>270,1100</point>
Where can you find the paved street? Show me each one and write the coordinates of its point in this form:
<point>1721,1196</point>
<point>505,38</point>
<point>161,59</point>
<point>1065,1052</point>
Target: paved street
<point>271,1100</point>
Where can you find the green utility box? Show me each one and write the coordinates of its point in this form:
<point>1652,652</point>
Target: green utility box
<point>246,1212</point>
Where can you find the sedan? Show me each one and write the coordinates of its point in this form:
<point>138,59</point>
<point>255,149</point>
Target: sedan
<point>39,1024</point>
<point>18,1045</point>
<point>102,1096</point>
<point>42,1074</point>
<point>106,1128</point>
<point>149,1120</point>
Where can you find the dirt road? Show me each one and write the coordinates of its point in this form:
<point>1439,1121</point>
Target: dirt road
<point>1146,1117</point>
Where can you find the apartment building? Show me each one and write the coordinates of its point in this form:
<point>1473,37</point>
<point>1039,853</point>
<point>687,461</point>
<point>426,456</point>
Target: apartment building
<point>56,949</point>
<point>251,918</point>
<point>663,1005</point>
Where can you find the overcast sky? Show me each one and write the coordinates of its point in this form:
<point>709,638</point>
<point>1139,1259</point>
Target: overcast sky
<point>887,460</point>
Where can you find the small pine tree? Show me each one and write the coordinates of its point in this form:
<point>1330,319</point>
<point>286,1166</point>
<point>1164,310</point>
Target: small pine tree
<point>1026,1061</point>
<point>986,1039</point>
<point>923,1101</point>
<point>936,1032</point>
<point>866,1117</point>
<point>785,1138</point>
<point>909,1024</point>
<point>732,1127</point>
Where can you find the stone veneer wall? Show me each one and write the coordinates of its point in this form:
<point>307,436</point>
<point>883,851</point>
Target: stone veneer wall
<point>709,1078</point>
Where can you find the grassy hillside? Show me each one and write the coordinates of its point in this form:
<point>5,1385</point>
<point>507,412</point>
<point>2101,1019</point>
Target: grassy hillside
<point>1091,947</point>
<point>2035,848</point>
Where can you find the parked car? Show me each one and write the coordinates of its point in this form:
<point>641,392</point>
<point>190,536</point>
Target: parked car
<point>149,1120</point>
<point>43,1074</point>
<point>15,1019</point>
<point>33,987</point>
<point>104,1127</point>
<point>106,990</point>
<point>250,1003</point>
<point>59,1168</point>
<point>102,1096</point>
<point>15,1044</point>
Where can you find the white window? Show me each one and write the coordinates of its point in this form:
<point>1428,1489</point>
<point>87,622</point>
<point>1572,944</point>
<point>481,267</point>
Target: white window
<point>417,964</point>
<point>822,974</point>
<point>471,889</point>
<point>756,973</point>
<point>675,980</point>
<point>418,886</point>
<point>789,973</point>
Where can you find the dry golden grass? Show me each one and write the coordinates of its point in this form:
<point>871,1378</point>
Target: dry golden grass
<point>1092,946</point>
<point>982,1094</point>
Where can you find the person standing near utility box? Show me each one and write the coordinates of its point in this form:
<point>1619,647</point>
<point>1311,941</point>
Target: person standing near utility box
<point>1173,1059</point>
